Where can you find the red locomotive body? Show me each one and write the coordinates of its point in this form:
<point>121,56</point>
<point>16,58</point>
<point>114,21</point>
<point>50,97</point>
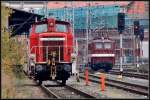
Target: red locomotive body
<point>102,54</point>
<point>51,45</point>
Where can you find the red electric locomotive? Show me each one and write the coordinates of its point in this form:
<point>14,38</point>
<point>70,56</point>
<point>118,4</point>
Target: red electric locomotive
<point>51,46</point>
<point>101,54</point>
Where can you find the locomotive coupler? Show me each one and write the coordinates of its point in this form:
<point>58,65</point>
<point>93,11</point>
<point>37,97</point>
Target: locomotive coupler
<point>52,64</point>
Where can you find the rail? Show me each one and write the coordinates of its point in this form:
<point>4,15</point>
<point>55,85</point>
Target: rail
<point>130,74</point>
<point>55,90</point>
<point>139,89</point>
<point>53,94</point>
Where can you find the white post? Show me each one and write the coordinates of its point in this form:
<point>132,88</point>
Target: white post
<point>121,53</point>
<point>137,53</point>
<point>141,54</point>
<point>46,10</point>
<point>132,31</point>
<point>90,14</point>
<point>134,50</point>
<point>137,60</point>
<point>77,47</point>
<point>73,23</point>
<point>35,19</point>
<point>77,59</point>
<point>66,13</point>
<point>21,5</point>
<point>59,53</point>
<point>87,23</point>
<point>46,53</point>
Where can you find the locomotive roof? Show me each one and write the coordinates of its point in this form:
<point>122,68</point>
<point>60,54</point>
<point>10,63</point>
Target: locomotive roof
<point>58,21</point>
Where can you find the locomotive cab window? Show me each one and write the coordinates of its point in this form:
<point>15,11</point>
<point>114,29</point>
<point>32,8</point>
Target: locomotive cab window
<point>107,45</point>
<point>99,45</point>
<point>39,28</point>
<point>61,28</point>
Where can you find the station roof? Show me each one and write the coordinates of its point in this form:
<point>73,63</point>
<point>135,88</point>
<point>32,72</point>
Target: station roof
<point>21,21</point>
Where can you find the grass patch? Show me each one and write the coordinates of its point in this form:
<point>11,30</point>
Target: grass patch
<point>12,83</point>
<point>18,71</point>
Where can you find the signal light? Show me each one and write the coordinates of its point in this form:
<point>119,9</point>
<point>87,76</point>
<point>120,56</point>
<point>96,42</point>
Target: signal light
<point>121,22</point>
<point>136,28</point>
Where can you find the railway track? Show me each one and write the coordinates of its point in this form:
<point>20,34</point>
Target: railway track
<point>126,69</point>
<point>130,74</point>
<point>134,88</point>
<point>127,73</point>
<point>144,68</point>
<point>131,70</point>
<point>56,90</point>
<point>65,92</point>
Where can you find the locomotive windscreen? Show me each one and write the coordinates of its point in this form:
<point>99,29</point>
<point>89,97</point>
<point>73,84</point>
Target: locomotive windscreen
<point>53,46</point>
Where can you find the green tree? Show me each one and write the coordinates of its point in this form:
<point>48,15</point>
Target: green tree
<point>11,54</point>
<point>5,40</point>
<point>11,49</point>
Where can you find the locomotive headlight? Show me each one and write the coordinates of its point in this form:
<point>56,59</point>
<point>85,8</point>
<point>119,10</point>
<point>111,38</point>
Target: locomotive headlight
<point>32,63</point>
<point>73,57</point>
<point>32,57</point>
<point>67,68</point>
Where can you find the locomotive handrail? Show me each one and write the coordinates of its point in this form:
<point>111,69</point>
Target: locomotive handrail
<point>51,46</point>
<point>39,47</point>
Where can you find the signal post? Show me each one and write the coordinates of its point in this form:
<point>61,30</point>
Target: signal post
<point>121,27</point>
<point>141,38</point>
<point>139,34</point>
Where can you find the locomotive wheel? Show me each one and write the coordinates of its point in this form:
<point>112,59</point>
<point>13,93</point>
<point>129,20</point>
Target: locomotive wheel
<point>39,82</point>
<point>63,82</point>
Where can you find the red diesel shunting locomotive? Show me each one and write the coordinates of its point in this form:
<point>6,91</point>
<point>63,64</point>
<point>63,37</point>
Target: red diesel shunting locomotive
<point>101,54</point>
<point>51,47</point>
